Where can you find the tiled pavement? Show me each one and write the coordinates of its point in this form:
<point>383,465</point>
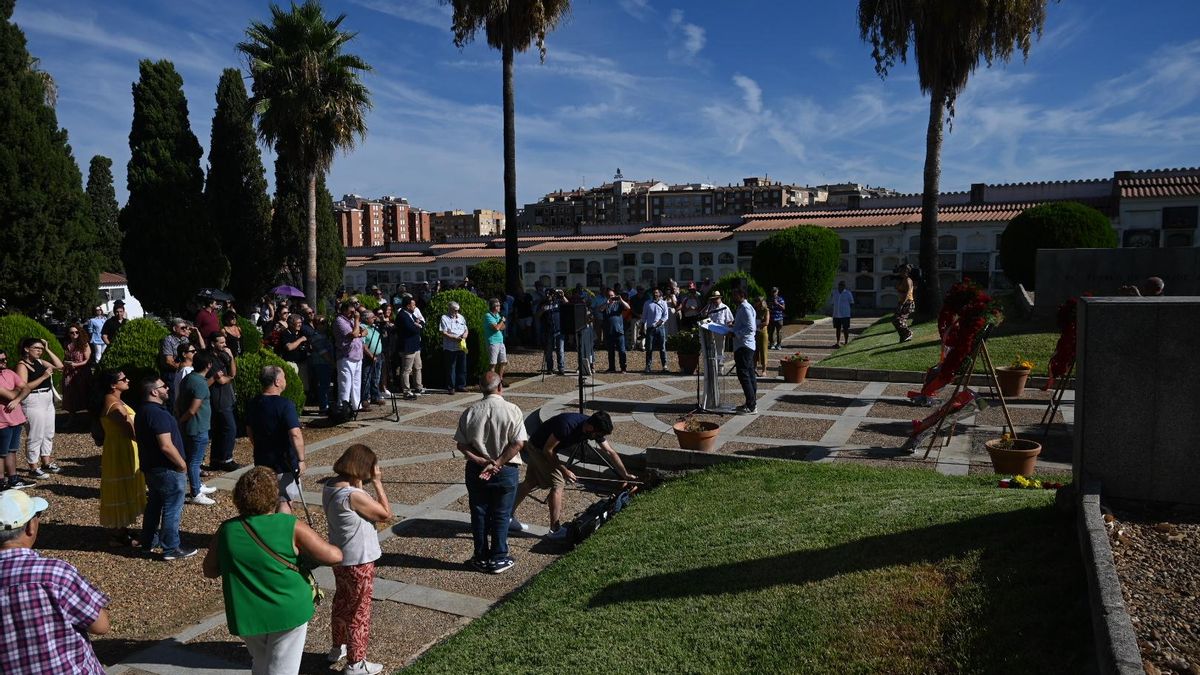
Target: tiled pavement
<point>424,591</point>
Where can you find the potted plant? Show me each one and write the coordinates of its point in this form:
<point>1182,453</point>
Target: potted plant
<point>686,345</point>
<point>795,367</point>
<point>1012,455</point>
<point>1012,378</point>
<point>694,434</point>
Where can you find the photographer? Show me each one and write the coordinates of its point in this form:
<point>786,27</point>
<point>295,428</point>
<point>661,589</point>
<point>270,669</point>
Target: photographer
<point>295,345</point>
<point>613,314</point>
<point>409,323</point>
<point>549,317</point>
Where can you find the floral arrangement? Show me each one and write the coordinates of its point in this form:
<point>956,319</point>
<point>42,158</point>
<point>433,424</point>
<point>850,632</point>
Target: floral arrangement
<point>1021,364</point>
<point>795,358</point>
<point>1005,442</point>
<point>692,425</point>
<point>966,310</point>
<point>1020,482</point>
<point>1064,350</point>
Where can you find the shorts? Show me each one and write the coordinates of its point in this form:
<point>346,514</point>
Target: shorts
<point>842,323</point>
<point>497,353</point>
<point>289,491</point>
<point>542,470</point>
<point>10,439</point>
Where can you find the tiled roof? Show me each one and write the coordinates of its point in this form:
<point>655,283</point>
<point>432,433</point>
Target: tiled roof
<point>112,279</point>
<point>569,246</point>
<point>678,236</point>
<point>1160,186</point>
<point>473,253</point>
<point>969,213</point>
<point>468,244</point>
<point>395,260</point>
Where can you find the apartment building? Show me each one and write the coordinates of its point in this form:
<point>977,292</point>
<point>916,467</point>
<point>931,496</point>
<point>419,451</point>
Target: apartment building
<point>444,225</point>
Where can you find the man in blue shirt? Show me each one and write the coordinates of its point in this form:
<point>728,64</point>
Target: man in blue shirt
<point>744,326</point>
<point>193,403</point>
<point>95,329</point>
<point>549,317</point>
<point>160,458</point>
<point>613,314</point>
<point>654,318</point>
<point>562,433</point>
<point>274,431</point>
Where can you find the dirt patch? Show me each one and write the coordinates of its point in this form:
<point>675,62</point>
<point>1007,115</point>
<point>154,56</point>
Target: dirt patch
<point>397,444</point>
<point>788,428</point>
<point>820,404</point>
<point>898,411</point>
<point>881,434</point>
<point>635,392</point>
<point>832,387</point>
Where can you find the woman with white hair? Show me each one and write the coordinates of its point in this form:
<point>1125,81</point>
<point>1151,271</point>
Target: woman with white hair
<point>454,344</point>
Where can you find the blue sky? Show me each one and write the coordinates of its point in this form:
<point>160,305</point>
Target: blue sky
<point>702,90</point>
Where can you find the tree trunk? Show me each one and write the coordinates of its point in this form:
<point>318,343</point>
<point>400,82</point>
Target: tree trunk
<point>512,261</point>
<point>310,275</point>
<point>929,299</point>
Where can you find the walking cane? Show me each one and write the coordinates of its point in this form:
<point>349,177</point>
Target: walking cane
<point>300,489</point>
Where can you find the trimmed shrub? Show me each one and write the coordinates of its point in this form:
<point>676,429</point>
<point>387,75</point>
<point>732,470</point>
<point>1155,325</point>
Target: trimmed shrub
<point>472,308</point>
<point>488,278</point>
<point>369,302</point>
<point>1056,225</point>
<point>246,385</point>
<point>135,350</point>
<point>726,283</point>
<point>252,337</point>
<point>802,261</point>
<point>16,327</point>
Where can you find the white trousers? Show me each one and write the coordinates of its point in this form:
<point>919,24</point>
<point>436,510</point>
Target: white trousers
<point>277,653</point>
<point>39,439</point>
<point>97,352</point>
<point>350,382</point>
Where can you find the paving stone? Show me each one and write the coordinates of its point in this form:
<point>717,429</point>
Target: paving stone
<point>994,416</point>
<point>813,386</point>
<point>389,444</point>
<point>444,419</point>
<point>633,392</point>
<point>789,428</point>
<point>881,434</point>
<point>898,410</point>
<point>826,404</point>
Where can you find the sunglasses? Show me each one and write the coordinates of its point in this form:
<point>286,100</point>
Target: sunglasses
<point>190,351</point>
<point>122,379</point>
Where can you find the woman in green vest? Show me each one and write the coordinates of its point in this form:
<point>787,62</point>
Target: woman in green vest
<point>267,601</point>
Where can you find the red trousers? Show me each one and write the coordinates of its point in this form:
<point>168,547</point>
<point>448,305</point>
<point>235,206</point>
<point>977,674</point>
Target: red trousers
<point>351,620</point>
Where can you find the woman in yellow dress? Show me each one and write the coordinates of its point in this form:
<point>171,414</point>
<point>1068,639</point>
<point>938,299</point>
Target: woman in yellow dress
<point>122,486</point>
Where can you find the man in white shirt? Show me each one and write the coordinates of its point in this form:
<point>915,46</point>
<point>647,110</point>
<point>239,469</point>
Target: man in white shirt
<point>744,326</point>
<point>454,331</point>
<point>841,299</point>
<point>491,434</point>
<point>654,319</point>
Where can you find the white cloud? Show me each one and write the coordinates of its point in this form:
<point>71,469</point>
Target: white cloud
<point>687,38</point>
<point>639,9</point>
<point>751,93</point>
<point>430,13</point>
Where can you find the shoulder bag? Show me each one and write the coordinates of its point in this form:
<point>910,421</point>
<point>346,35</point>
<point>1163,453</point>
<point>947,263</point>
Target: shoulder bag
<point>317,592</point>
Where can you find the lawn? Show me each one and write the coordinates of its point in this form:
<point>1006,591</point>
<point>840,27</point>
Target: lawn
<point>878,347</point>
<point>789,567</point>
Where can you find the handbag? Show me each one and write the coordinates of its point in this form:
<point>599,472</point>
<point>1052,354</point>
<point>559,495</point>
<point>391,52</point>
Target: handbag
<point>306,574</point>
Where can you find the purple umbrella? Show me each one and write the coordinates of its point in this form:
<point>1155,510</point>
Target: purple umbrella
<point>290,291</point>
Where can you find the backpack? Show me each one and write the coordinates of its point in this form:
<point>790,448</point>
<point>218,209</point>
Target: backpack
<point>342,413</point>
<point>594,516</point>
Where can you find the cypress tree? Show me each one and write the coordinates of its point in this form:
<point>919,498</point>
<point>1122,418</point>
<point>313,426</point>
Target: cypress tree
<point>46,231</point>
<point>103,198</point>
<point>169,249</point>
<point>238,206</point>
<point>288,230</point>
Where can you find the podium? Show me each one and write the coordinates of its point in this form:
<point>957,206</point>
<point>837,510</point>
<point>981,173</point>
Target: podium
<point>712,385</point>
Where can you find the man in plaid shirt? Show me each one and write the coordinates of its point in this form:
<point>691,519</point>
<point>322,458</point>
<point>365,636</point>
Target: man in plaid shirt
<point>46,607</point>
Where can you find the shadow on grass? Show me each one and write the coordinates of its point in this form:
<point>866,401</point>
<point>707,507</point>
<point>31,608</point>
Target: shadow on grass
<point>1028,596</point>
<point>798,452</point>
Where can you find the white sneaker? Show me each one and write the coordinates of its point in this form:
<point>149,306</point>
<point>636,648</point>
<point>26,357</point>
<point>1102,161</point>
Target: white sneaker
<point>336,654</point>
<point>363,667</point>
<point>387,394</point>
<point>206,490</point>
<point>515,525</point>
<point>203,500</point>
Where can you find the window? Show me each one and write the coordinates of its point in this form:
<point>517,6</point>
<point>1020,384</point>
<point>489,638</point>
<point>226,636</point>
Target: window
<point>610,265</point>
<point>685,274</point>
<point>864,265</point>
<point>685,258</point>
<point>530,268</point>
<point>593,267</point>
<point>746,248</point>
<point>999,239</point>
<point>844,265</point>
<point>864,246</point>
<point>976,262</point>
<point>947,242</point>
<point>947,261</point>
<point>864,283</point>
<point>560,280</point>
<point>1141,239</point>
<point>666,259</point>
<point>647,258</point>
<point>576,265</point>
<point>706,258</point>
<point>458,272</point>
<point>1179,217</point>
<point>845,245</point>
<point>914,242</point>
<point>560,266</point>
<point>648,276</point>
<point>725,259</point>
<point>1174,239</point>
<point>706,273</point>
<point>445,271</point>
<point>629,259</point>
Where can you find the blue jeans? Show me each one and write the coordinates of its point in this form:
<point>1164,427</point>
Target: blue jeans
<point>491,508</point>
<point>194,447</point>
<point>321,375</point>
<point>372,369</point>
<point>456,369</point>
<point>164,503</point>
<point>656,338</point>
<point>224,435</point>
<point>743,361</point>
<point>10,439</point>
<point>616,345</point>
<point>555,345</point>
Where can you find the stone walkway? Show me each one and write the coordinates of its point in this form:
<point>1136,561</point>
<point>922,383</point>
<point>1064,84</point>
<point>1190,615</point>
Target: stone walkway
<point>424,591</point>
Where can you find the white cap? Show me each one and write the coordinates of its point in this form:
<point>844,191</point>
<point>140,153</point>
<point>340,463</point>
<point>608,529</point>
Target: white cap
<point>18,508</point>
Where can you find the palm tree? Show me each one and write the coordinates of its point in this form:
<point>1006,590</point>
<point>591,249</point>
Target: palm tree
<point>49,86</point>
<point>511,26</point>
<point>948,37</point>
<point>308,98</point>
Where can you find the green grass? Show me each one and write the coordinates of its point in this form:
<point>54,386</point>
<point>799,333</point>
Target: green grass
<point>788,567</point>
<point>878,347</point>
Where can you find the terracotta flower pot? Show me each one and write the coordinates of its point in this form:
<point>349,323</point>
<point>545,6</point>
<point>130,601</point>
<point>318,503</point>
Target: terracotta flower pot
<point>795,371</point>
<point>1020,459</point>
<point>703,440</point>
<point>1012,381</point>
<point>688,363</point>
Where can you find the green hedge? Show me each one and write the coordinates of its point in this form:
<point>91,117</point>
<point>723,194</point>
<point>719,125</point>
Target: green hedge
<point>1055,225</point>
<point>726,283</point>
<point>473,309</point>
<point>135,350</point>
<point>369,302</point>
<point>802,261</point>
<point>489,278</point>
<point>16,327</point>
<point>246,385</point>
<point>252,337</point>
